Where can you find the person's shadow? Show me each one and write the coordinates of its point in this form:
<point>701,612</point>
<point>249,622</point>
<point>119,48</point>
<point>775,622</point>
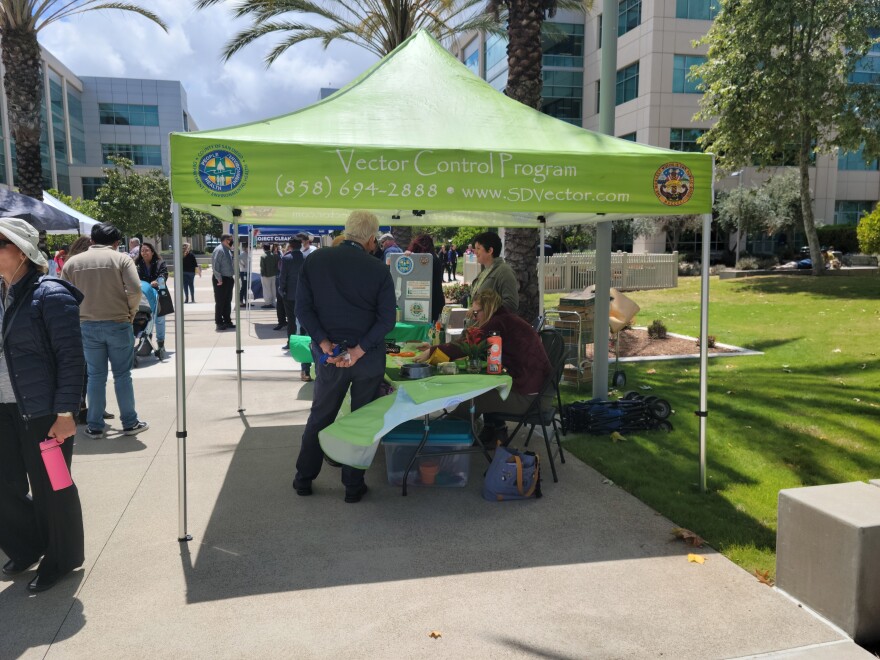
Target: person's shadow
<point>30,621</point>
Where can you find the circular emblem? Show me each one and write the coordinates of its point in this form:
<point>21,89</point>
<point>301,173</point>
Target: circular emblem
<point>404,265</point>
<point>425,260</point>
<point>417,309</point>
<point>221,171</point>
<point>673,184</point>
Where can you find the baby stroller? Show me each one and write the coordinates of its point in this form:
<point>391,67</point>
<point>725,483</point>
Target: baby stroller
<point>143,323</point>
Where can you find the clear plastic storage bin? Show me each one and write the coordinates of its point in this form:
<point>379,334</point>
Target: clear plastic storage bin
<point>445,471</point>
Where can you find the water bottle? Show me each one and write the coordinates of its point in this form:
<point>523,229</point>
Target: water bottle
<point>161,281</point>
<point>56,466</point>
<point>493,360</point>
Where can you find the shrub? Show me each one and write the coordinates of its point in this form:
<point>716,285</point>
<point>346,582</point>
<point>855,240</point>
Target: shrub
<point>457,291</point>
<point>842,237</point>
<point>869,233</point>
<point>711,341</point>
<point>657,329</point>
<point>686,268</point>
<point>747,263</point>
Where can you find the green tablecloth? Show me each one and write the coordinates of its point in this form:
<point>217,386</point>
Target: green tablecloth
<point>354,438</point>
<point>409,332</point>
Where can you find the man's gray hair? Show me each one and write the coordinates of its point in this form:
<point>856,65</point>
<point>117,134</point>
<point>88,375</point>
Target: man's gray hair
<point>134,240</point>
<point>361,226</point>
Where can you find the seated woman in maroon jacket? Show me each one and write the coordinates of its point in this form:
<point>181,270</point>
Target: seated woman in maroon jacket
<point>522,355</point>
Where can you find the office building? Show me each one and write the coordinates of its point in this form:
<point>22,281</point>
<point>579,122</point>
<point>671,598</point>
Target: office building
<point>655,100</point>
<point>90,119</point>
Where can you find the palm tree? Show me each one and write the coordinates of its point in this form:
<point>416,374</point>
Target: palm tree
<point>379,26</point>
<point>20,21</point>
<point>525,21</point>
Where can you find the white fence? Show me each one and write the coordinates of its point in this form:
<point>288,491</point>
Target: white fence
<point>576,271</point>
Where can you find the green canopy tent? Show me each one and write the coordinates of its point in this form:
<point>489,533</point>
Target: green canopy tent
<point>419,139</point>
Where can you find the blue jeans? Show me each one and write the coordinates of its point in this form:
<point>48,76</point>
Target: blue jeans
<point>103,341</point>
<point>160,328</point>
<point>189,290</point>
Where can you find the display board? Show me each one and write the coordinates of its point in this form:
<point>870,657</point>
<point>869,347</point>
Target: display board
<point>412,275</point>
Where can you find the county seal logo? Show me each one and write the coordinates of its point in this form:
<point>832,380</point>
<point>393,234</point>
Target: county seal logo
<point>221,171</point>
<point>673,184</point>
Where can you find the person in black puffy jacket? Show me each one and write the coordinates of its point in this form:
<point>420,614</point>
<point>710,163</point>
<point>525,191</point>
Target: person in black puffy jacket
<point>41,376</point>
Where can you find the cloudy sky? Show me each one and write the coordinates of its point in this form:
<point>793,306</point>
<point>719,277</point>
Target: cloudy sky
<point>122,44</point>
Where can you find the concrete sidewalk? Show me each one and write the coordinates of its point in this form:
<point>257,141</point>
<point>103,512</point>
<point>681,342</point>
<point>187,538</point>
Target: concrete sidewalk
<point>586,572</point>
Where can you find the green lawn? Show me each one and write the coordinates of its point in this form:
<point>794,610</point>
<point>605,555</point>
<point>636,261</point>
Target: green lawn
<point>807,412</point>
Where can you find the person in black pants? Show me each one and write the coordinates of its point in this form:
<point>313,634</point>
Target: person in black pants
<point>346,299</point>
<point>291,266</point>
<point>223,276</point>
<point>40,387</point>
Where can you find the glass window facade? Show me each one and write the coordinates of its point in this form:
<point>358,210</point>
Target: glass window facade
<point>685,139</point>
<point>496,61</point>
<point>91,184</point>
<point>704,10</point>
<point>59,132</point>
<point>681,66</point>
<point>855,160</point>
<point>849,213</point>
<point>629,137</point>
<point>867,69</point>
<point>563,45</point>
<point>627,84</point>
<point>472,62</point>
<point>77,131</point>
<point>562,95</point>
<point>629,16</point>
<point>139,154</point>
<point>125,114</point>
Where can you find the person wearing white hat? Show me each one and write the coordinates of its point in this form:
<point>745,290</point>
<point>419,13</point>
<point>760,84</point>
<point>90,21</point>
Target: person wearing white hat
<point>41,376</point>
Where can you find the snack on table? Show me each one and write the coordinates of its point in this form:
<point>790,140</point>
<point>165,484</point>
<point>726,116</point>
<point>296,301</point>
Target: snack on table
<point>447,368</point>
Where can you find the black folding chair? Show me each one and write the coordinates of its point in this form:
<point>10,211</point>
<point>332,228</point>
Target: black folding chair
<point>545,415</point>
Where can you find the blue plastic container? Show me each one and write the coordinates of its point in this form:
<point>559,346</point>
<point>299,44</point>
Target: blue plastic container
<point>444,435</point>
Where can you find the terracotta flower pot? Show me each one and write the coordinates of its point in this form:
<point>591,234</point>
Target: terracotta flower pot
<point>428,472</point>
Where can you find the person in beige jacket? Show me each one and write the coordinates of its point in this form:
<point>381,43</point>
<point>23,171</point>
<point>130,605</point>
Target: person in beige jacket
<point>109,281</point>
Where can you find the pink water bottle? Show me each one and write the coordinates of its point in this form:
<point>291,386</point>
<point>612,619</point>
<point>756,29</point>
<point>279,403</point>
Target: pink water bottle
<point>493,360</point>
<point>56,466</point>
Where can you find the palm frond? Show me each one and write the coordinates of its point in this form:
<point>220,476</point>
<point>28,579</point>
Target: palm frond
<point>72,9</point>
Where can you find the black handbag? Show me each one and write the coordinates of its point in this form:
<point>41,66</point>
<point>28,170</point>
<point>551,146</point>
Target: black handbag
<point>166,306</point>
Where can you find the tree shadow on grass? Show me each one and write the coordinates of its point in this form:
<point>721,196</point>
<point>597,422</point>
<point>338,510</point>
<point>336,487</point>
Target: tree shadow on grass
<point>854,287</point>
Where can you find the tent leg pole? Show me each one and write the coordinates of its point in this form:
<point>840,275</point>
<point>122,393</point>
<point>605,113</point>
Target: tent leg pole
<point>180,374</point>
<point>603,309</point>
<point>704,345</point>
<point>237,295</point>
<point>541,261</point>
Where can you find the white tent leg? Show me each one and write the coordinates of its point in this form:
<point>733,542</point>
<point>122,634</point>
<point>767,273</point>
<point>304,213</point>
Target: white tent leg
<point>602,309</point>
<point>250,270</point>
<point>541,260</point>
<point>704,345</point>
<point>237,296</point>
<point>180,373</point>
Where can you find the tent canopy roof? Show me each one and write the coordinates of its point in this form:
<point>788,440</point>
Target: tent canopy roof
<point>419,131</point>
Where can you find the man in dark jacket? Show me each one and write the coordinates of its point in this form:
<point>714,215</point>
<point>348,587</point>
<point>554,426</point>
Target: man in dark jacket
<point>346,300</point>
<point>291,266</point>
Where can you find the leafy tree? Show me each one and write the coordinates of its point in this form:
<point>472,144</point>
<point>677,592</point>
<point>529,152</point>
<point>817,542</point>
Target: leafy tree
<point>465,235</point>
<point>87,207</point>
<point>20,22</point>
<point>197,223</point>
<point>135,202</point>
<point>777,78</point>
<point>869,233</point>
<point>746,209</point>
<point>784,193</point>
<point>673,225</point>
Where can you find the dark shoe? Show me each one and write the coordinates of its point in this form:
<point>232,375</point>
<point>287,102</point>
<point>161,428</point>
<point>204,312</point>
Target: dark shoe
<point>43,583</point>
<point>305,377</point>
<point>12,567</point>
<point>280,326</point>
<point>302,488</point>
<point>329,461</point>
<point>95,434</point>
<point>285,347</point>
<point>355,496</point>
<point>229,326</point>
<point>140,427</point>
<point>267,306</point>
<point>221,327</point>
<point>160,352</point>
<point>109,415</point>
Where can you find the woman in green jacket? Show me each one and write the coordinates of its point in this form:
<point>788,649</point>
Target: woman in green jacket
<point>496,274</point>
